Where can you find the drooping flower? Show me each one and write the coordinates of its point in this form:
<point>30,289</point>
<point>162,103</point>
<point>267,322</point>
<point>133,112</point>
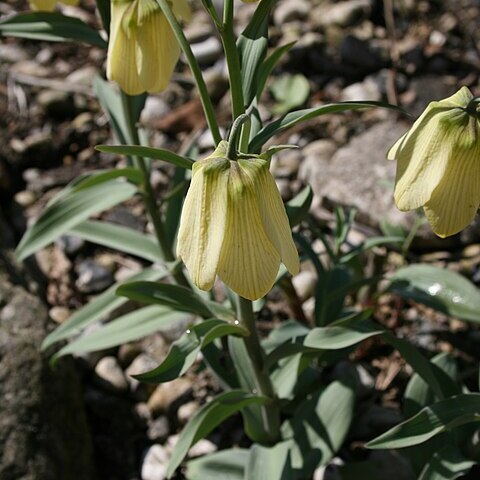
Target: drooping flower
<point>438,164</point>
<point>234,224</point>
<point>143,50</point>
<point>48,5</point>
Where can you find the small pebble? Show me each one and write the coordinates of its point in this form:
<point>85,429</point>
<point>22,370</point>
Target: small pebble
<point>110,375</point>
<point>155,463</point>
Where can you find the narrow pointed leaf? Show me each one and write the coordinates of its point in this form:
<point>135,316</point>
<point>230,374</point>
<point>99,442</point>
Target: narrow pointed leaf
<point>207,418</point>
<point>184,351</point>
<point>119,238</point>
<point>438,288</point>
<point>97,308</point>
<point>297,208</point>
<point>270,463</point>
<point>293,118</point>
<point>225,464</point>
<point>124,329</point>
<point>173,296</point>
<point>447,464</point>
<point>50,26</point>
<point>148,152</point>
<point>430,421</point>
<point>73,209</point>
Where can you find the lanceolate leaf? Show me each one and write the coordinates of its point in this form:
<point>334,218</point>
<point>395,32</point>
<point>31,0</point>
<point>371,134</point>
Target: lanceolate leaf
<point>207,418</point>
<point>173,296</point>
<point>225,464</point>
<point>50,26</point>
<point>447,464</point>
<point>184,351</point>
<point>438,288</point>
<point>430,421</point>
<point>120,238</point>
<point>124,329</point>
<point>148,152</point>
<point>73,209</point>
<point>293,118</point>
<point>297,208</point>
<point>97,308</point>
<point>270,463</point>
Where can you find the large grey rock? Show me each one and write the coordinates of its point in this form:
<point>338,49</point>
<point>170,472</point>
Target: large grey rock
<point>359,175</point>
<point>43,428</point>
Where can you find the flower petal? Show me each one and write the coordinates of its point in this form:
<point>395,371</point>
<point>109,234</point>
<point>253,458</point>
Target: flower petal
<point>422,158</point>
<point>455,201</point>
<point>122,50</point>
<point>272,212</point>
<point>42,5</point>
<point>249,261</point>
<point>202,226</point>
<point>158,51</point>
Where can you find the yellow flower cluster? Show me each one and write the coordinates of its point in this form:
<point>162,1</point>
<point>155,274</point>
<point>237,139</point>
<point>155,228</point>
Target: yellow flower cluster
<point>234,224</point>
<point>438,164</point>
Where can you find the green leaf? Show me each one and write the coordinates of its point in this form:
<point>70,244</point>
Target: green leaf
<point>119,238</point>
<point>206,419</point>
<point>176,297</point>
<point>127,328</point>
<point>442,385</point>
<point>269,64</point>
<point>97,309</point>
<point>226,464</point>
<point>438,288</point>
<point>319,427</point>
<point>368,244</point>
<point>297,208</point>
<point>252,48</point>
<point>430,421</point>
<point>447,464</point>
<point>289,91</point>
<point>111,100</point>
<point>184,351</point>
<point>293,118</point>
<point>272,463</point>
<point>148,152</point>
<point>73,209</point>
<point>52,27</point>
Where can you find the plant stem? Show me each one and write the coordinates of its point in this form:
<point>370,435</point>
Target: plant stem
<point>196,71</point>
<point>270,412</point>
<point>234,134</point>
<point>233,60</point>
<point>148,193</point>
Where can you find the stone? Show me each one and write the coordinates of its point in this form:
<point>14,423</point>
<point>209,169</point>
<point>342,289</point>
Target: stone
<point>366,90</point>
<point>342,14</point>
<point>44,432</point>
<point>208,51</point>
<point>288,11</point>
<point>109,375</point>
<point>159,429</point>
<point>359,175</point>
<point>286,163</point>
<point>93,277</point>
<point>12,53</point>
<point>155,463</point>
<point>187,411</point>
<point>304,284</point>
<point>166,395</point>
<point>142,363</point>
<point>83,76</point>
<point>155,109</point>
<point>59,314</point>
<point>70,244</point>
<point>202,447</point>
<point>25,198</point>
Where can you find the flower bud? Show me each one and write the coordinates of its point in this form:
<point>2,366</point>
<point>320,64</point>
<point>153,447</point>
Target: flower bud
<point>143,50</point>
<point>234,224</point>
<point>438,164</point>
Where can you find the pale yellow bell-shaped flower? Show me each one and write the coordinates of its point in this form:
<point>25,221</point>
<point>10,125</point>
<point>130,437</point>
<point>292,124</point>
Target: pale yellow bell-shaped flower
<point>234,224</point>
<point>48,5</point>
<point>438,164</point>
<point>143,50</point>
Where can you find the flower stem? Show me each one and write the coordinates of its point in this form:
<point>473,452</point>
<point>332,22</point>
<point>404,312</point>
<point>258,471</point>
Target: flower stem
<point>148,193</point>
<point>233,60</point>
<point>234,134</point>
<point>196,71</point>
<point>263,382</point>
